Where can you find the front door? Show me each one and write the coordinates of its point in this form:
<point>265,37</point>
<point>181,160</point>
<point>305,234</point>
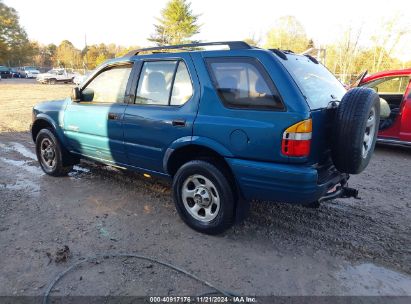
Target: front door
<point>93,126</point>
<point>393,90</point>
<point>164,109</point>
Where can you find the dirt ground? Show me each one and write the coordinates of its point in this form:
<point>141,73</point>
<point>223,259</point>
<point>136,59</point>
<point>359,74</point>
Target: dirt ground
<point>346,247</point>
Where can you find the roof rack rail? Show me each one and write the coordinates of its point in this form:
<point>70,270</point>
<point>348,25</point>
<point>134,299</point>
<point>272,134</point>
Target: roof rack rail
<point>233,45</point>
<point>279,53</point>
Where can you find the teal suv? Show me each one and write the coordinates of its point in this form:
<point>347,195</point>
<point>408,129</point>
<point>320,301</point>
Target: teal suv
<point>226,126</point>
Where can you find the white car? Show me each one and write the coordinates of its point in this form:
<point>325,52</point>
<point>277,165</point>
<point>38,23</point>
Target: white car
<point>29,72</point>
<point>79,79</point>
<point>56,75</point>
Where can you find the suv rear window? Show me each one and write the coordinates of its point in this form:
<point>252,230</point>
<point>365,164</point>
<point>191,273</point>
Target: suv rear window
<point>315,81</point>
<point>243,83</point>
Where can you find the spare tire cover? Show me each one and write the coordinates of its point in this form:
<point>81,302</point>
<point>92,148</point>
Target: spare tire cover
<point>355,130</point>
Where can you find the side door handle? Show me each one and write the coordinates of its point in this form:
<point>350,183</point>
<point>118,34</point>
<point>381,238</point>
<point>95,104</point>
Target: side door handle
<point>179,123</point>
<point>113,116</point>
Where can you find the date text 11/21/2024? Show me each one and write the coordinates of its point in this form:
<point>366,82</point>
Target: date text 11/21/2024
<point>203,299</point>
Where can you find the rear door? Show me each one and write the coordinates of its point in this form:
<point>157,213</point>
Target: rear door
<point>93,126</point>
<point>242,107</point>
<point>163,110</point>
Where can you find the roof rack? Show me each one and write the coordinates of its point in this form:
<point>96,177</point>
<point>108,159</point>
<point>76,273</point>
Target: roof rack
<point>233,45</point>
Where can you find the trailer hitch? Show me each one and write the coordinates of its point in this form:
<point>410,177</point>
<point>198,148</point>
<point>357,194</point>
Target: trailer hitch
<point>341,191</point>
<point>349,192</point>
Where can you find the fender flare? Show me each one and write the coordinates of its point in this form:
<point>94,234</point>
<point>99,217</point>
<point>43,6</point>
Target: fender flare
<point>195,141</point>
<point>57,129</point>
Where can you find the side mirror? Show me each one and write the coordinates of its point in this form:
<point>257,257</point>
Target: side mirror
<point>75,94</point>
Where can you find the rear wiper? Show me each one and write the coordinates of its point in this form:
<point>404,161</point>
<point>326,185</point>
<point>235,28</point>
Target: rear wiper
<point>333,103</point>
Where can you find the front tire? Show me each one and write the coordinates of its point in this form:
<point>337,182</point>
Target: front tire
<point>204,197</point>
<point>50,154</point>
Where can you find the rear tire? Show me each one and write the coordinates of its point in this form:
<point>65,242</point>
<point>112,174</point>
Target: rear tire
<point>203,197</point>
<point>50,154</point>
<point>355,130</point>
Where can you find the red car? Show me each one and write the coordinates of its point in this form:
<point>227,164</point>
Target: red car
<point>394,89</point>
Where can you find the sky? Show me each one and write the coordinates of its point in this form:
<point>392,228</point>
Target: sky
<point>130,22</point>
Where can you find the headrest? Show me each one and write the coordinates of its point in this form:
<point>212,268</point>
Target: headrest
<point>155,82</point>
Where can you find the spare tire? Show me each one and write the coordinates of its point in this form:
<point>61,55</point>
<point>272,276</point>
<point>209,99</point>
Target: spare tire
<point>355,130</point>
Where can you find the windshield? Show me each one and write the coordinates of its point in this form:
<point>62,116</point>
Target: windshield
<point>318,84</point>
<point>30,68</point>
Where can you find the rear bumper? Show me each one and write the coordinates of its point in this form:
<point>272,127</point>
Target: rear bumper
<point>284,182</point>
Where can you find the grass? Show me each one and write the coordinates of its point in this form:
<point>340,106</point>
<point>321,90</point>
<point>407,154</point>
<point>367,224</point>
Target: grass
<point>17,98</point>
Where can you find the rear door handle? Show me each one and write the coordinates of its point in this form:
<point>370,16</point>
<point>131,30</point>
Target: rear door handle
<point>179,123</point>
<point>113,116</point>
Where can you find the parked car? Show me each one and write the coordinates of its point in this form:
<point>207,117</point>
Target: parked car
<point>15,73</point>
<point>79,79</point>
<point>394,89</point>
<point>4,72</point>
<point>28,72</point>
<point>56,75</point>
<point>226,126</point>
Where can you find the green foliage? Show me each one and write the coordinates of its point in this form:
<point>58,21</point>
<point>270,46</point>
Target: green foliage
<point>347,58</point>
<point>44,55</point>
<point>252,41</point>
<point>67,55</point>
<point>14,44</point>
<point>176,25</point>
<point>288,34</point>
<point>100,59</point>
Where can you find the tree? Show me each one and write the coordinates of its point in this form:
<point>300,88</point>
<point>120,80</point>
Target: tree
<point>342,55</point>
<point>252,40</point>
<point>288,34</point>
<point>14,44</point>
<point>67,55</point>
<point>386,38</point>
<point>176,25</point>
<point>100,59</point>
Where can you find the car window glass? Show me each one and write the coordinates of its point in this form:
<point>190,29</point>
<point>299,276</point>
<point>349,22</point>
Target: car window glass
<point>318,85</point>
<point>155,82</point>
<point>390,85</point>
<point>182,88</point>
<point>108,86</point>
<point>243,83</point>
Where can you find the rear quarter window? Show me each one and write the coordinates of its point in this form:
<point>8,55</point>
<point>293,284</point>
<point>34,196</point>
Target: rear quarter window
<point>243,83</point>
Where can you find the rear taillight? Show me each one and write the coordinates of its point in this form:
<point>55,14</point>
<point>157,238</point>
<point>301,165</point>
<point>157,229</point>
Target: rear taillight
<point>297,139</point>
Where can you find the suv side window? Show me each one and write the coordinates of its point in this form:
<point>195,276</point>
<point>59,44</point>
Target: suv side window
<point>390,85</point>
<point>164,83</point>
<point>108,86</point>
<point>243,83</point>
<point>182,88</point>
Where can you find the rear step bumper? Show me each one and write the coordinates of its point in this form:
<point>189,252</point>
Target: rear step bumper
<point>287,183</point>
